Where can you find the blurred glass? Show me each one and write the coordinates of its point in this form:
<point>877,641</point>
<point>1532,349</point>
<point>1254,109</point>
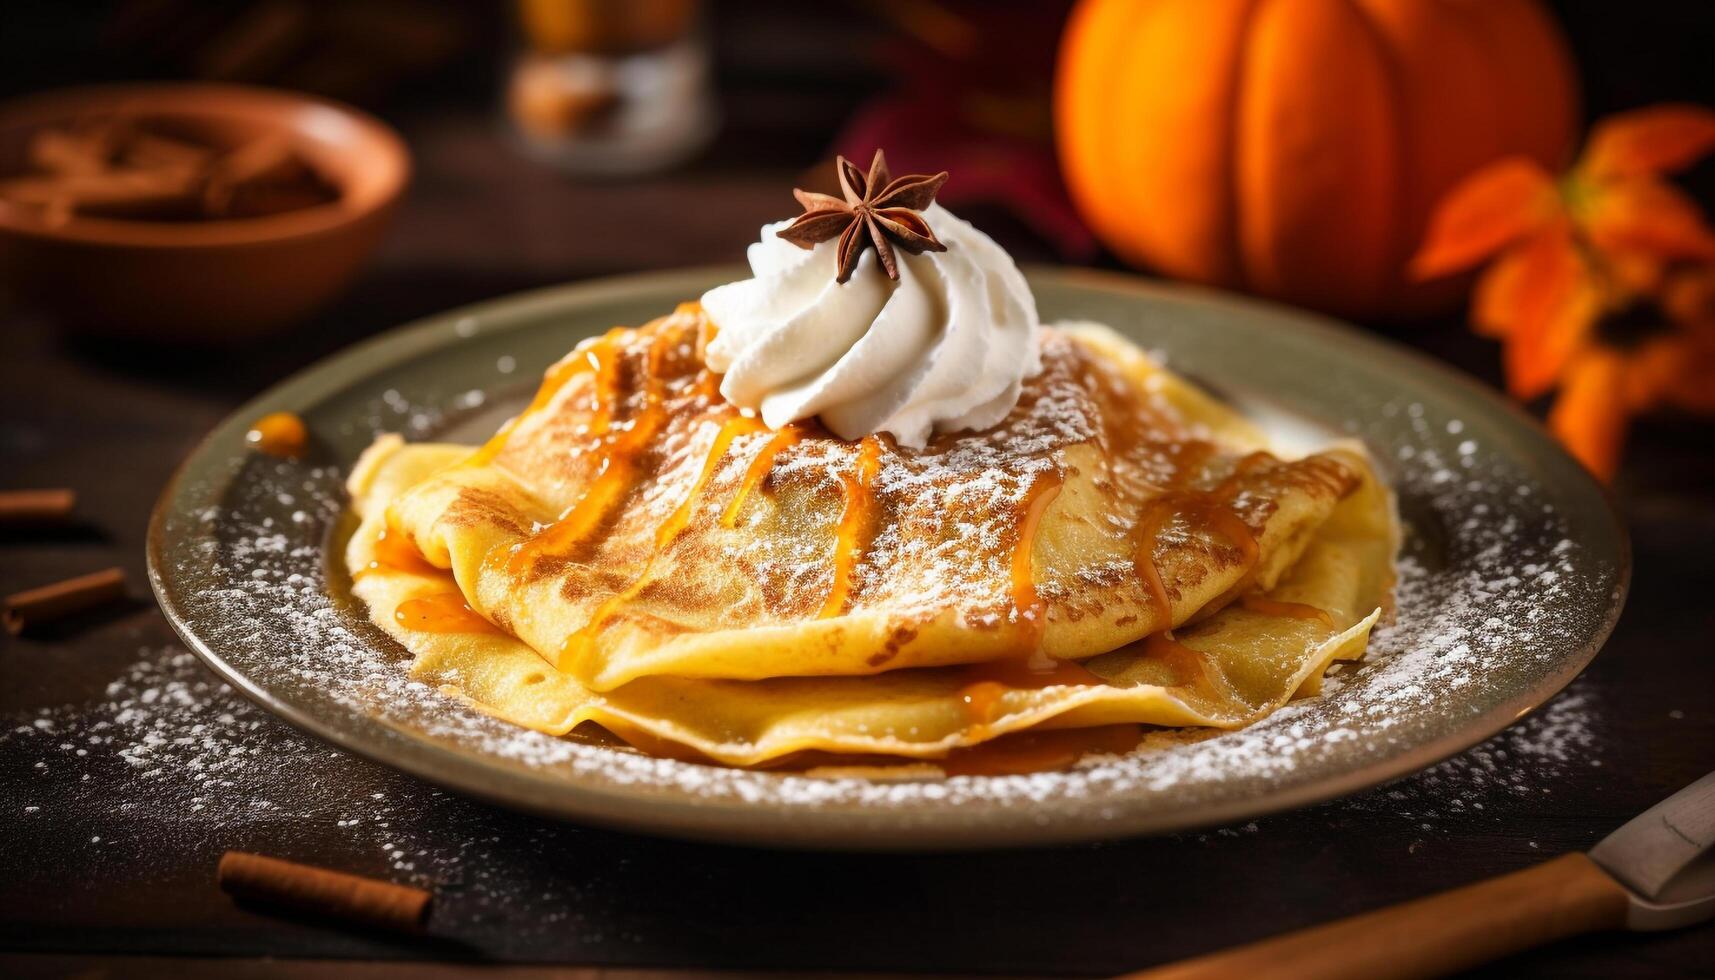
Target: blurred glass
<point>611,86</point>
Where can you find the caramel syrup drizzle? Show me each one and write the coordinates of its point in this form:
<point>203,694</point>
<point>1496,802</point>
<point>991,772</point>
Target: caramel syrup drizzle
<point>1040,750</point>
<point>859,490</point>
<point>1258,603</point>
<point>1211,509</point>
<point>758,469</point>
<point>738,425</point>
<point>1186,663</point>
<point>669,529</point>
<point>983,698</point>
<point>597,358</point>
<point>988,682</point>
<point>619,446</point>
<point>396,552</point>
<point>1027,605</point>
<point>445,612</point>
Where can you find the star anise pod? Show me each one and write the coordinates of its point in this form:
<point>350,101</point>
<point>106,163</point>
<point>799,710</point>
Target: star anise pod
<point>878,209</point>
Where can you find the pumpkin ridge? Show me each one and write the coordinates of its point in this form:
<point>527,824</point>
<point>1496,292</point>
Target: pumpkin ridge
<point>1238,261</point>
<point>1078,151</point>
<point>1401,239</point>
<point>1112,178</point>
<point>1316,178</point>
<point>1197,241</point>
<point>1477,126</point>
<point>1531,37</point>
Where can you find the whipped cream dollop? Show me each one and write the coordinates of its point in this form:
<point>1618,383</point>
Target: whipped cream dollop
<point>945,348</point>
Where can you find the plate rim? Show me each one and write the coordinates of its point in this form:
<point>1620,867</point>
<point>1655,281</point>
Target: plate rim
<point>849,827</point>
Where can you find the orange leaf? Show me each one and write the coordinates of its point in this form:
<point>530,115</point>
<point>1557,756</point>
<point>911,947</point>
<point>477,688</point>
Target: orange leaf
<point>1649,216</point>
<point>1590,416</point>
<point>1678,370</point>
<point>1654,371</point>
<point>1657,140</point>
<point>1538,299</point>
<point>1503,290</point>
<point>1689,299</point>
<point>1693,387</point>
<point>1482,214</point>
<point>1633,273</point>
<point>1678,367</point>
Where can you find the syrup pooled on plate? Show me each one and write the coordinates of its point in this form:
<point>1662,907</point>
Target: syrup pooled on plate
<point>987,683</point>
<point>1026,752</point>
<point>444,612</point>
<point>1294,610</point>
<point>280,434</point>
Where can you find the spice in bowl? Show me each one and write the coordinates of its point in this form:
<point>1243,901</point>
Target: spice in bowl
<point>142,169</point>
<point>189,212</point>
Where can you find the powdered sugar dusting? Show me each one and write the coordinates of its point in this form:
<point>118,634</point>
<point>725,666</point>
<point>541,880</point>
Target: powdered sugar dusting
<point>169,748</point>
<point>1494,597</point>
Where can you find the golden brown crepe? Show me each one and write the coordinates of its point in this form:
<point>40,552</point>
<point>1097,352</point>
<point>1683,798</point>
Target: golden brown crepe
<point>634,552</point>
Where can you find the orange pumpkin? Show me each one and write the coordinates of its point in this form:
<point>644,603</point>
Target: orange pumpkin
<point>1294,148</point>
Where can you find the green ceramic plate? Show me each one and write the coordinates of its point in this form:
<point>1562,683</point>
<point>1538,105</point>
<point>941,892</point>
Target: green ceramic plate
<point>1514,572</point>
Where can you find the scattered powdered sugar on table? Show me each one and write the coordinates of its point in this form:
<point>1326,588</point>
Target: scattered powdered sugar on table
<point>170,753</point>
<point>1489,595</point>
<point>1524,761</point>
<point>169,764</point>
<point>169,748</point>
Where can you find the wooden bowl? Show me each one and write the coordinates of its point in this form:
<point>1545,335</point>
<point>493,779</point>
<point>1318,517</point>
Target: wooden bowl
<point>202,281</point>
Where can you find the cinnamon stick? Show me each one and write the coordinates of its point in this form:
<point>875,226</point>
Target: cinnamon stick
<point>48,506</point>
<point>123,168</point>
<point>318,891</point>
<point>23,610</point>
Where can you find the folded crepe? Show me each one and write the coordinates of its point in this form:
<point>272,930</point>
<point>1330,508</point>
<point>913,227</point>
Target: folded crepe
<point>632,551</point>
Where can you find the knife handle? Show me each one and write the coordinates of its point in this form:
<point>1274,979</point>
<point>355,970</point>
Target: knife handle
<point>1433,936</point>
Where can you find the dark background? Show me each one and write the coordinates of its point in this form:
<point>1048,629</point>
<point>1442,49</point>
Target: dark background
<point>112,419</point>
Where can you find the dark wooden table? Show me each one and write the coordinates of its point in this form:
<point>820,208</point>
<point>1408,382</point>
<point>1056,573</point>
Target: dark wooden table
<point>112,824</point>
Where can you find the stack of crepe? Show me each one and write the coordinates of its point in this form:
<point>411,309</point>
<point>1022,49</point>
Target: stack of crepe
<point>633,552</point>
